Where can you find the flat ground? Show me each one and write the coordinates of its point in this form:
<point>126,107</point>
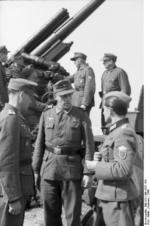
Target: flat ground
<point>34,217</point>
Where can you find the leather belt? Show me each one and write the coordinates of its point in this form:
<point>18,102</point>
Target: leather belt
<point>64,151</point>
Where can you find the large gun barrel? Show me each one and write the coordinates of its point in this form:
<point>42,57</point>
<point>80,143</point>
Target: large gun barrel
<point>39,62</point>
<point>43,33</point>
<point>71,24</point>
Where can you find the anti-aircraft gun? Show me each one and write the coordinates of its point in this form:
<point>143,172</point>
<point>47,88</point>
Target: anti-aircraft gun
<point>46,47</point>
<point>47,43</point>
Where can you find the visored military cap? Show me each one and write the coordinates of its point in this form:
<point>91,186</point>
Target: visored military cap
<point>3,49</point>
<point>109,56</point>
<point>19,84</point>
<point>120,95</point>
<point>63,87</point>
<point>78,55</point>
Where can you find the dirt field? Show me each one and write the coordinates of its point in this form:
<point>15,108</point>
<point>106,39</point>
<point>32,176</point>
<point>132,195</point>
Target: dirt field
<point>34,217</point>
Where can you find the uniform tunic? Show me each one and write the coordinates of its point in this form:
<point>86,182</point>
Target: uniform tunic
<point>115,79</point>
<point>116,187</point>
<point>58,149</point>
<point>16,177</point>
<point>84,82</point>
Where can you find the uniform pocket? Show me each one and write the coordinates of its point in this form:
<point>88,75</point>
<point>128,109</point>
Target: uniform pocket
<point>75,123</point>
<point>50,123</point>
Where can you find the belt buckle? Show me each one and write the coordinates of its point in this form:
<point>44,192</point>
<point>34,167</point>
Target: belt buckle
<point>57,150</point>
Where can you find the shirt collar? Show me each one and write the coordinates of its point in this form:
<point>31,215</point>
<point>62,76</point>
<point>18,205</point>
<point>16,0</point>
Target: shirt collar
<point>14,110</point>
<point>118,124</point>
<point>112,68</point>
<point>82,66</point>
<point>58,110</point>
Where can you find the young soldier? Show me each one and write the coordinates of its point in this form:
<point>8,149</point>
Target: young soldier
<point>16,177</point>
<point>84,83</point>
<point>113,78</point>
<point>116,190</point>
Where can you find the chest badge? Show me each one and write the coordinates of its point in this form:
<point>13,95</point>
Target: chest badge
<point>50,122</point>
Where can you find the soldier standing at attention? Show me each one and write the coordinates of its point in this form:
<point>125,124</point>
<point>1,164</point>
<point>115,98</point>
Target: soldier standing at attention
<point>3,87</point>
<point>84,83</point>
<point>16,177</point>
<point>58,157</point>
<point>113,79</point>
<point>116,190</point>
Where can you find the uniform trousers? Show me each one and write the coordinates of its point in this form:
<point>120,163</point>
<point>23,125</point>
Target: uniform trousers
<point>118,213</point>
<point>8,219</point>
<point>57,193</point>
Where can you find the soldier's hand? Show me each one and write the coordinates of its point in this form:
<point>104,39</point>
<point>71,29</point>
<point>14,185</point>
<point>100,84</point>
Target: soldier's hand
<point>83,107</point>
<point>37,179</point>
<point>91,165</point>
<point>97,156</point>
<point>15,208</point>
<point>87,181</point>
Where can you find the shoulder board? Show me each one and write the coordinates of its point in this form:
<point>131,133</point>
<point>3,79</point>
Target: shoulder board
<point>128,128</point>
<point>48,107</point>
<point>124,126</point>
<point>11,112</point>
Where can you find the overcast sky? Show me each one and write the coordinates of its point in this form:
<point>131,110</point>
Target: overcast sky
<point>115,27</point>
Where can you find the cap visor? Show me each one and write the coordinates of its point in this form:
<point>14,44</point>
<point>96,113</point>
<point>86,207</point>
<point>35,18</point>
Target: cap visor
<point>65,92</point>
<point>73,58</point>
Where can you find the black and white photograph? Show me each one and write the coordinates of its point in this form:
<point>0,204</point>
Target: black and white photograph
<point>72,113</point>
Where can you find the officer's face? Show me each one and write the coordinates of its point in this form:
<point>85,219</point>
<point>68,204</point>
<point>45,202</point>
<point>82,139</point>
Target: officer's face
<point>3,57</point>
<point>108,63</point>
<point>78,62</point>
<point>27,103</point>
<point>107,113</point>
<point>64,102</point>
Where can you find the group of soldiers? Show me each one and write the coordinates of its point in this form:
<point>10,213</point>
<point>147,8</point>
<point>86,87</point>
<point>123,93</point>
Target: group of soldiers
<point>64,158</point>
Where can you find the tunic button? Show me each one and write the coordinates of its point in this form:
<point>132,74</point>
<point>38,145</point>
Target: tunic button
<point>27,143</point>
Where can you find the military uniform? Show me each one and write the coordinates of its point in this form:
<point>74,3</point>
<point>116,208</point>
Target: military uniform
<point>3,87</point>
<point>84,84</point>
<point>116,189</point>
<point>115,79</point>
<point>58,150</point>
<point>16,177</point>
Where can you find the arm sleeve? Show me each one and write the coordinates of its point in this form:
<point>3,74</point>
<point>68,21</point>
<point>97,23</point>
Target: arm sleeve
<point>124,154</point>
<point>124,82</point>
<point>89,89</point>
<point>88,140</point>
<point>39,147</point>
<point>9,159</point>
<point>70,78</point>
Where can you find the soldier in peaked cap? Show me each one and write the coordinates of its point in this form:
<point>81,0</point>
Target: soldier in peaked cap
<point>16,178</point>
<point>113,79</point>
<point>58,157</point>
<point>84,83</point>
<point>3,86</point>
<point>116,189</point>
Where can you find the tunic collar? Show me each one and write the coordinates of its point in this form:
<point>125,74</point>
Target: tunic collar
<point>118,124</point>
<point>58,110</point>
